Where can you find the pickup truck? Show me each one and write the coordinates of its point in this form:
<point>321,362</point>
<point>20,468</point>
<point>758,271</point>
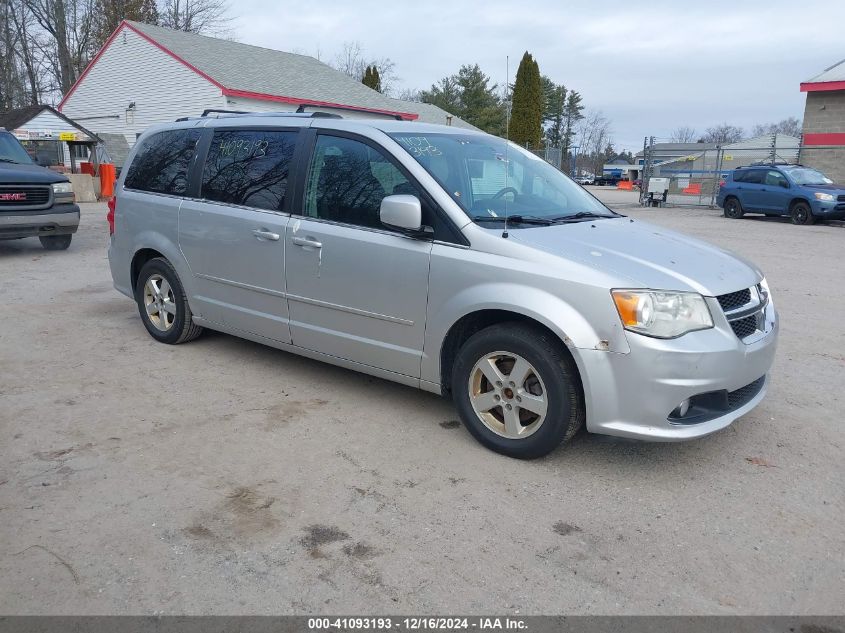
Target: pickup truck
<point>34,201</point>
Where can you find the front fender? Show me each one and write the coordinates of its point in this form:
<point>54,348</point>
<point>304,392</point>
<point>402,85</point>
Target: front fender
<point>602,331</point>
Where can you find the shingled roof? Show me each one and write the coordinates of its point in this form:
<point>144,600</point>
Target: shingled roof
<point>243,70</point>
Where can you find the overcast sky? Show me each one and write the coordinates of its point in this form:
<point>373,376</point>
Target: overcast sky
<point>648,66</point>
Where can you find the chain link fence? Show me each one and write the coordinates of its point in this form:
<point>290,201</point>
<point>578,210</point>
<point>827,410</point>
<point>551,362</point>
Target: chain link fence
<point>694,178</point>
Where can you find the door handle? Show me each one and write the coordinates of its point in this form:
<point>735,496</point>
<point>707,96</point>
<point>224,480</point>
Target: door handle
<point>261,234</point>
<point>307,241</point>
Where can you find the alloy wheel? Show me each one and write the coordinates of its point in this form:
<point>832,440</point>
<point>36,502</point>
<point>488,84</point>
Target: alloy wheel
<point>508,395</point>
<point>159,302</point>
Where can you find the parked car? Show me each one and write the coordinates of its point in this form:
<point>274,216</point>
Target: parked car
<point>604,180</point>
<point>445,259</point>
<point>586,180</point>
<point>34,201</point>
<point>802,193</point>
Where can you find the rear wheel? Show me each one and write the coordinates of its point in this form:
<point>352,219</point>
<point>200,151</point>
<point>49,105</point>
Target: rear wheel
<point>517,390</point>
<point>733,209</point>
<point>802,214</point>
<point>56,242</point>
<point>163,304</point>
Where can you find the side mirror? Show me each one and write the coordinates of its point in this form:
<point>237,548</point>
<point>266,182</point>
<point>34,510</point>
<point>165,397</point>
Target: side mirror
<point>784,184</point>
<point>401,212</point>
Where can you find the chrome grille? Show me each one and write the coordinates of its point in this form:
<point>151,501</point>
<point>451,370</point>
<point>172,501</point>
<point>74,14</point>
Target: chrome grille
<point>734,300</point>
<point>744,327</point>
<point>744,310</point>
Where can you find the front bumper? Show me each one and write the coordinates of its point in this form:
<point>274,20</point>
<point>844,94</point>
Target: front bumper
<point>60,219</point>
<point>829,210</point>
<point>632,395</point>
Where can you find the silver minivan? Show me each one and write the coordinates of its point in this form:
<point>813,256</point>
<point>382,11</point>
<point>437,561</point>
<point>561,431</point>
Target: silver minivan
<point>445,259</point>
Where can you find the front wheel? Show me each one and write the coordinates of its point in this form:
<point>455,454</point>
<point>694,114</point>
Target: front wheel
<point>733,209</point>
<point>517,390</point>
<point>802,214</point>
<point>56,242</point>
<point>163,304</point>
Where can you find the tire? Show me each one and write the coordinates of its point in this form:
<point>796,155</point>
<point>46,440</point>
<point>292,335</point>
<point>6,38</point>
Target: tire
<point>801,214</point>
<point>173,325</point>
<point>551,376</point>
<point>56,242</point>
<point>733,208</point>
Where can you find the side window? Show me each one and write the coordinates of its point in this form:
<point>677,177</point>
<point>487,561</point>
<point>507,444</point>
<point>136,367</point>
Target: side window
<point>775,179</point>
<point>347,181</point>
<point>161,164</point>
<point>754,177</point>
<point>249,167</point>
<point>739,176</point>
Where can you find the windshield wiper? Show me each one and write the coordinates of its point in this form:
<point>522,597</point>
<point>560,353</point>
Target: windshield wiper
<point>583,215</point>
<point>8,160</point>
<point>515,219</point>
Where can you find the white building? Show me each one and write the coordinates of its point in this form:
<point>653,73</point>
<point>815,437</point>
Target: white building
<point>149,74</point>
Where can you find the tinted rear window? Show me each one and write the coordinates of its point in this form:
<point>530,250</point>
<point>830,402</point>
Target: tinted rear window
<point>161,164</point>
<point>249,167</point>
<point>753,176</point>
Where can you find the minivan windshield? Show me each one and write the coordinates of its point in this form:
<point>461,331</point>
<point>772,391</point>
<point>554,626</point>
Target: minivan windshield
<point>807,176</point>
<point>11,151</point>
<point>490,177</point>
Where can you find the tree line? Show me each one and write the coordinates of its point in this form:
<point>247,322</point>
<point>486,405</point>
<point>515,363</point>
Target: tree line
<point>46,44</point>
<point>727,133</point>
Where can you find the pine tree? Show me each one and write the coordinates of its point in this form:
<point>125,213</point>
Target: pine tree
<point>572,114</point>
<point>555,113</point>
<point>371,78</point>
<point>526,126</point>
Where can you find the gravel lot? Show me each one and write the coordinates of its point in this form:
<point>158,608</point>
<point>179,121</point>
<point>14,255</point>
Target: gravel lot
<point>223,477</point>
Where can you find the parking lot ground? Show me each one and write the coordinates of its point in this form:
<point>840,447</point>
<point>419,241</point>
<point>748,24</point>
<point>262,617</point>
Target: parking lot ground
<point>223,477</point>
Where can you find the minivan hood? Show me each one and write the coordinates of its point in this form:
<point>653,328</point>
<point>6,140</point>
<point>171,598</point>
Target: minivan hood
<point>16,173</point>
<point>643,255</point>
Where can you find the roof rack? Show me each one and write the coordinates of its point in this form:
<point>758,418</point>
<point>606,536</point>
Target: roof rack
<point>220,114</point>
<point>302,106</point>
<point>771,163</point>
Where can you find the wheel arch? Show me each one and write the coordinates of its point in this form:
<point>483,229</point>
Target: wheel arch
<point>472,322</point>
<point>140,258</point>
<point>796,200</point>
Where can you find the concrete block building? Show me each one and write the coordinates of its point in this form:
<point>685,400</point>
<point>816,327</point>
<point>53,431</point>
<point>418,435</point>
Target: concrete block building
<point>824,122</point>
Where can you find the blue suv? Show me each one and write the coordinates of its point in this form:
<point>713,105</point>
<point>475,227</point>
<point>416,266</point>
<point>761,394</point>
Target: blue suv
<point>804,194</point>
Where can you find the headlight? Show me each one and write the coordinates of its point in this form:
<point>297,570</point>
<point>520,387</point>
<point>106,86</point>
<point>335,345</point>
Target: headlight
<point>62,187</point>
<point>662,314</point>
<point>824,197</point>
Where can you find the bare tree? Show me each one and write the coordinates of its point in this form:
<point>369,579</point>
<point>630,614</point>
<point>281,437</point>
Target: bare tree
<point>195,16</point>
<point>68,24</point>
<point>683,134</point>
<point>723,133</point>
<point>594,139</point>
<point>352,61</point>
<point>789,126</point>
<point>409,94</point>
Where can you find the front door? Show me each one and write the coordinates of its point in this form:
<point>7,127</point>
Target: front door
<point>233,235</point>
<point>356,290</point>
<point>775,196</point>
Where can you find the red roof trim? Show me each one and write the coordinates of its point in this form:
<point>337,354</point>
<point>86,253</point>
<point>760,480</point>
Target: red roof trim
<point>408,116</point>
<point>833,138</point>
<point>816,86</point>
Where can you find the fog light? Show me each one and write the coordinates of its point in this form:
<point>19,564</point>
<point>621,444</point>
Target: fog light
<point>681,410</point>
